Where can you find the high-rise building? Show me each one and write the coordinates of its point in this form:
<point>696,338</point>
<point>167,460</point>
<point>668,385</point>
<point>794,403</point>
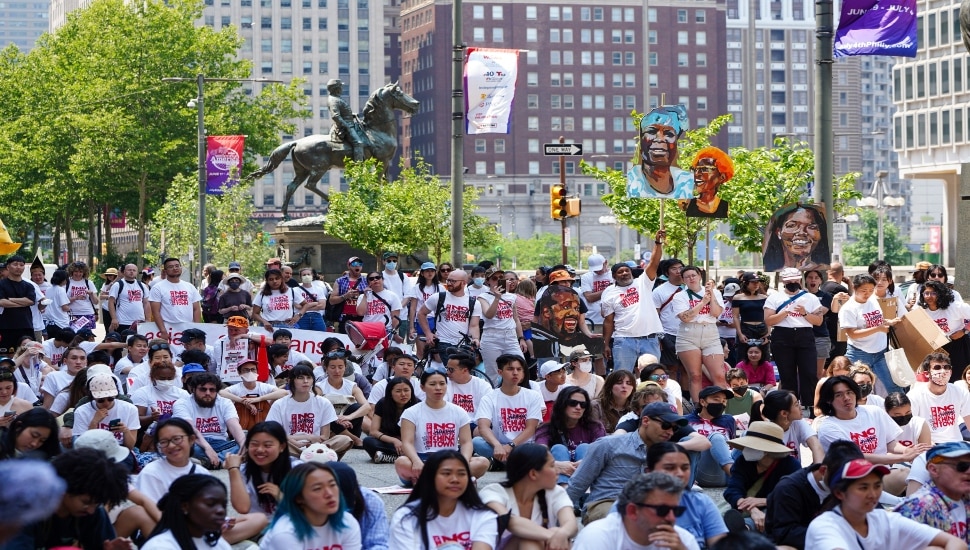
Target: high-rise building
<point>22,23</point>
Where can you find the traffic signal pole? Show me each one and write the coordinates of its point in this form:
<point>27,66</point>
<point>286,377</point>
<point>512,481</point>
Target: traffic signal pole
<point>562,181</point>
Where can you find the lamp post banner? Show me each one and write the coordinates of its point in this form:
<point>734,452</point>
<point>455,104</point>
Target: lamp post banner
<point>223,162</point>
<point>490,90</point>
<point>877,27</point>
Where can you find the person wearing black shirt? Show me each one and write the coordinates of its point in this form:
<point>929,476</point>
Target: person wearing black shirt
<point>16,298</point>
<point>836,283</point>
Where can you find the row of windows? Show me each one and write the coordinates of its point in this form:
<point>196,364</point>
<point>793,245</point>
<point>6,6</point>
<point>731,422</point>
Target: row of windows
<point>586,36</point>
<point>796,10</point>
<point>683,59</point>
<point>778,76</point>
<point>945,127</point>
<point>683,38</point>
<point>931,79</point>
<point>798,36</point>
<point>565,13</point>
<point>342,4</point>
<point>566,57</point>
<point>557,101</point>
<point>683,81</point>
<point>567,80</point>
<point>586,124</point>
<point>939,28</point>
<point>736,55</point>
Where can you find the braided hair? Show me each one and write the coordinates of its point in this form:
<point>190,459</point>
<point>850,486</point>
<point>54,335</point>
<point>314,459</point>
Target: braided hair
<point>183,490</point>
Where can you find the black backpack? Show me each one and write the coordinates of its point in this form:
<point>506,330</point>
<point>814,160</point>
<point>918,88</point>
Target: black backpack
<point>441,307</point>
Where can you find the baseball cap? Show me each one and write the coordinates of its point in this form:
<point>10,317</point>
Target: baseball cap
<point>354,259</point>
<point>98,370</point>
<point>730,290</point>
<point>922,266</point>
<point>237,321</point>
<point>234,276</point>
<point>389,254</point>
<point>104,441</point>
<point>856,469</point>
<point>579,352</point>
<point>428,265</point>
<point>951,449</point>
<point>235,265</point>
<point>560,275</point>
<point>6,360</point>
<point>595,262</point>
<point>102,385</point>
<point>714,390</point>
<point>192,368</point>
<point>790,274</point>
<point>549,367</point>
<point>664,413</point>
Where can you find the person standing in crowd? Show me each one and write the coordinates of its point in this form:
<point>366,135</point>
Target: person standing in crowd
<point>592,284</point>
<point>725,322</point>
<point>835,283</point>
<point>454,312</point>
<point>173,300</point>
<point>378,305</point>
<point>277,305</point>
<point>866,329</point>
<point>501,329</point>
<point>792,314</point>
<point>82,294</point>
<point>16,298</point>
<point>748,311</point>
<point>350,285</point>
<point>698,344</point>
<point>234,300</point>
<point>316,294</point>
<point>631,326</point>
<point>823,344</point>
<point>663,295</point>
<point>128,301</point>
<point>914,287</point>
<point>951,316</point>
<point>426,286</point>
<point>110,276</point>
<point>395,280</point>
<point>210,297</point>
<point>56,312</point>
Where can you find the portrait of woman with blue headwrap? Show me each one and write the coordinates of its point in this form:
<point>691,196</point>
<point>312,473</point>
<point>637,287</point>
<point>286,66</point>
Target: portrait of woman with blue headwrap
<point>657,175</point>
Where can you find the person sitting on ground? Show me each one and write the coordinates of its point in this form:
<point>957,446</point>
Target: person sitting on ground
<point>251,398</point>
<point>945,500</point>
<point>739,405</point>
<point>552,377</point>
<point>783,408</point>
<point>915,428</point>
<point>401,367</point>
<point>384,443</point>
<point>615,400</point>
<point>945,405</point>
<point>866,379</point>
<point>193,516</point>
<point>352,420</point>
<point>509,414</point>
<point>708,419</point>
<point>570,431</point>
<point>31,434</point>
<point>307,418</point>
<point>254,481</point>
<point>464,388</point>
<point>759,370</point>
<point>656,372</point>
<point>839,366</point>
<point>214,418</point>
<point>365,505</point>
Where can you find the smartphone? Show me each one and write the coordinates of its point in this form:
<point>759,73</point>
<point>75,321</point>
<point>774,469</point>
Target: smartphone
<point>503,286</point>
<point>114,423</point>
<point>9,413</point>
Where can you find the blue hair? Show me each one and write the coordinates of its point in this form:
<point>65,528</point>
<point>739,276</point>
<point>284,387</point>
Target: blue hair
<point>292,487</point>
<point>674,116</point>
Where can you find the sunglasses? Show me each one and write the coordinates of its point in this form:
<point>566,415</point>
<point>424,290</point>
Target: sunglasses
<point>436,370</point>
<point>105,400</point>
<point>664,425</point>
<point>445,270</point>
<point>156,347</point>
<point>356,264</point>
<point>369,279</point>
<point>941,367</point>
<point>337,353</point>
<point>577,403</point>
<point>662,509</point>
<point>960,467</point>
<point>659,377</point>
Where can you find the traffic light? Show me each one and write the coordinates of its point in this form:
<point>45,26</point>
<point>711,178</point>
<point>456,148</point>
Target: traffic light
<point>557,202</point>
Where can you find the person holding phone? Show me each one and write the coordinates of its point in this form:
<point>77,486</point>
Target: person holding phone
<point>501,331</point>
<point>106,412</point>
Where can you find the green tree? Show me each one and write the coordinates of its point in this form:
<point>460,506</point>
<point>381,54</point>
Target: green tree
<point>411,213</point>
<point>864,249</point>
<point>525,253</point>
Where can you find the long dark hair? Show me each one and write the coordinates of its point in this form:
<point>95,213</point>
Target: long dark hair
<point>771,406</point>
<point>277,470</point>
<point>37,417</point>
<point>422,283</point>
<point>610,415</point>
<point>183,490</point>
<point>423,500</point>
<point>557,420</point>
<point>774,256</point>
<point>522,460</point>
<point>389,422</point>
<point>267,291</point>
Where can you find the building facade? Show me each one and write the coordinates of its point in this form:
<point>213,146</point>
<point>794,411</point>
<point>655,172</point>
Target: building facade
<point>22,23</point>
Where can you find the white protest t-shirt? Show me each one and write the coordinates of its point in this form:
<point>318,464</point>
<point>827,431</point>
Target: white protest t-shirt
<point>79,289</point>
<point>129,304</point>
<point>177,300</point>
<point>156,477</point>
<point>886,530</point>
<point>509,413</point>
<point>267,507</point>
<point>912,431</point>
<point>687,299</point>
<point>306,417</point>
<point>163,399</point>
<point>661,294</point>
<point>435,429</point>
<point>944,412</point>
<point>140,376</point>
<point>872,430</point>
<point>796,435</point>
<point>610,532</point>
<point>867,314</point>
<point>504,318</point>
<point>951,319</point>
<point>210,421</point>
<point>454,316</point>
<point>591,282</point>
<point>126,363</point>
<point>420,296</point>
<point>53,313</point>
<point>291,360</point>
<point>122,410</point>
<point>278,306</point>
<point>261,389</point>
<point>379,389</point>
<point>282,536</point>
<point>346,387</point>
<point>556,500</point>
<point>795,320</point>
<point>377,311</point>
<point>461,529</point>
<point>633,308</point>
<point>469,395</point>
<point>56,381</point>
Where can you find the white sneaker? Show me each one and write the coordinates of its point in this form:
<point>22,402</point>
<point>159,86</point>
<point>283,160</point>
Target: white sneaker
<point>383,458</point>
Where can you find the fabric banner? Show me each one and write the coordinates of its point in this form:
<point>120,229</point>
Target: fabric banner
<point>877,27</point>
<point>223,162</point>
<point>490,90</point>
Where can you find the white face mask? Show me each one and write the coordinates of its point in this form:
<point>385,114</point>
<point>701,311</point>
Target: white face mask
<point>165,383</point>
<point>752,455</point>
<point>479,281</point>
<point>249,377</point>
<point>586,366</point>
<point>391,266</point>
<point>940,377</point>
<point>307,279</point>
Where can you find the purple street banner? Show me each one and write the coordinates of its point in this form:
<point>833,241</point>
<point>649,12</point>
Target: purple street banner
<point>490,90</point>
<point>223,162</point>
<point>877,27</point>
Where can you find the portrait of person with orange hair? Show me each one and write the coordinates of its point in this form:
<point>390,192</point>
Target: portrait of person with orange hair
<point>712,168</point>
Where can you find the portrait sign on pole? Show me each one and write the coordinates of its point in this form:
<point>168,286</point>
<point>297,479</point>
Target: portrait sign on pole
<point>797,236</point>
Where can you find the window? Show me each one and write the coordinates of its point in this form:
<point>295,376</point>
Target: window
<point>599,58</point>
<point>286,45</point>
<point>567,101</point>
<point>286,23</point>
<point>616,36</point>
<point>556,124</point>
<point>567,57</point>
<point>532,35</point>
<point>307,23</point>
<point>585,14</point>
<point>616,15</point>
<point>701,103</point>
<point>266,22</point>
<point>478,34</point>
<point>617,58</point>
<point>681,16</point>
<point>308,68</point>
<point>567,13</point>
<point>532,57</point>
<point>654,80</point>
<point>700,16</point>
<point>497,12</point>
<point>598,36</point>
<point>267,67</point>
<point>629,58</point>
<point>629,37</point>
<point>630,80</point>
<point>533,101</point>
<point>701,59</point>
<point>585,36</point>
<point>651,37</point>
<point>629,15</point>
<point>478,12</point>
<point>597,14</point>
<point>533,124</point>
<point>266,45</point>
<point>701,38</point>
<point>654,58</point>
<point>530,13</point>
<point>683,38</point>
<point>555,58</point>
<point>683,59</point>
<point>568,124</point>
<point>554,35</point>
<point>555,101</point>
<point>499,146</point>
<point>481,146</point>
<point>532,79</point>
<point>683,81</point>
<point>481,167</point>
<point>585,58</point>
<point>567,80</point>
<point>554,13</point>
<point>533,146</point>
<point>555,79</point>
<point>498,34</point>
<point>651,15</point>
<point>500,167</point>
<point>702,82</point>
<point>533,167</point>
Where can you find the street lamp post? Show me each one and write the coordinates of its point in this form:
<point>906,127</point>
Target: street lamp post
<point>880,200</point>
<point>199,103</point>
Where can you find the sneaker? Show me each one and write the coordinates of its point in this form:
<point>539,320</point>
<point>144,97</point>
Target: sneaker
<point>384,458</point>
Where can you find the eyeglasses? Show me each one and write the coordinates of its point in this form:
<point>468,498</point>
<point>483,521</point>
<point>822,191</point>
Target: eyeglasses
<point>369,279</point>
<point>446,269</point>
<point>659,377</point>
<point>105,400</point>
<point>176,440</point>
<point>452,281</point>
<point>337,354</point>
<point>662,509</point>
<point>664,425</point>
<point>960,467</point>
<point>577,403</point>
<point>941,367</point>
<point>207,390</point>
<point>156,347</point>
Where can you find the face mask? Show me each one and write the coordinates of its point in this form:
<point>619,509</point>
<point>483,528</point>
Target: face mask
<point>478,281</point>
<point>741,390</point>
<point>715,409</point>
<point>249,377</point>
<point>586,366</point>
<point>234,284</point>
<point>307,279</point>
<point>866,389</point>
<point>391,266</point>
<point>793,287</point>
<point>903,420</point>
<point>752,455</point>
<point>165,383</point>
<point>940,377</point>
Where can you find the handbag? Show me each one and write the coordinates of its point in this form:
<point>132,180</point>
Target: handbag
<point>899,368</point>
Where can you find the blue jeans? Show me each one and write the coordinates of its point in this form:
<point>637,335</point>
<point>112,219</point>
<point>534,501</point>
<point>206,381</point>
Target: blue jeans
<point>561,453</point>
<point>222,447</point>
<point>482,448</point>
<point>710,463</point>
<point>626,350</point>
<point>876,362</point>
<point>312,320</point>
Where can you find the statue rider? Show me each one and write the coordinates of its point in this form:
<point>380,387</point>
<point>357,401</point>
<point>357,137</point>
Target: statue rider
<point>345,122</point>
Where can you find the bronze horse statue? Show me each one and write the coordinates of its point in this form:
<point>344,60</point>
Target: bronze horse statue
<point>314,155</point>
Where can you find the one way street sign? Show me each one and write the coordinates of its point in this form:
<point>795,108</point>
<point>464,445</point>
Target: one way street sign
<point>566,149</point>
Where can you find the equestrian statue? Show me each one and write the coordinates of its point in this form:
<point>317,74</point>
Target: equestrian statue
<point>372,135</point>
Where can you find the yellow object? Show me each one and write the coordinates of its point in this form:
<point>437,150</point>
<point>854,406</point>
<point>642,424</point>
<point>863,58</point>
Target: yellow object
<point>557,202</point>
<point>7,246</point>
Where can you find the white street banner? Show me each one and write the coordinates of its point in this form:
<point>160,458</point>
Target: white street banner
<point>489,90</point>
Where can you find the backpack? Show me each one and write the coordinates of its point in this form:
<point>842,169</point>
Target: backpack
<point>210,300</point>
<point>441,307</point>
<point>121,287</point>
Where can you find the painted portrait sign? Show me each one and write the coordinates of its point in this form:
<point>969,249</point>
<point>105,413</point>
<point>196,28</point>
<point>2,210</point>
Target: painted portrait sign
<point>561,321</point>
<point>797,236</point>
<point>712,168</point>
<point>657,176</point>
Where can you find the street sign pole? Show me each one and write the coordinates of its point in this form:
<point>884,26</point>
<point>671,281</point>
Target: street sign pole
<point>562,181</point>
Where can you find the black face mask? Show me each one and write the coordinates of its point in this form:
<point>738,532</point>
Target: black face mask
<point>715,409</point>
<point>903,420</point>
<point>866,389</point>
<point>233,284</point>
<point>793,287</point>
<point>741,390</point>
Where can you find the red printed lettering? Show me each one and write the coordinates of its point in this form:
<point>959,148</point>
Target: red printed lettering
<point>513,420</point>
<point>440,436</point>
<point>872,318</point>
<point>943,416</point>
<point>376,307</point>
<point>119,436</point>
<point>630,297</point>
<point>867,441</point>
<point>179,297</point>
<point>944,325</point>
<point>462,538</point>
<point>456,313</point>
<point>504,310</point>
<point>134,296</point>
<point>209,425</point>
<point>301,423</point>
<point>465,401</point>
<point>279,303</point>
<point>706,310</point>
<point>164,407</point>
<point>600,285</point>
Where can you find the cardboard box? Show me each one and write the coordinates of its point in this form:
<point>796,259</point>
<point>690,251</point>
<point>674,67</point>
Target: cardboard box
<point>889,307</point>
<point>919,336</point>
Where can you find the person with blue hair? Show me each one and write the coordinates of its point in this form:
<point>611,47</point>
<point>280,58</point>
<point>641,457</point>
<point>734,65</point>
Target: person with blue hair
<point>657,176</point>
<point>312,513</point>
